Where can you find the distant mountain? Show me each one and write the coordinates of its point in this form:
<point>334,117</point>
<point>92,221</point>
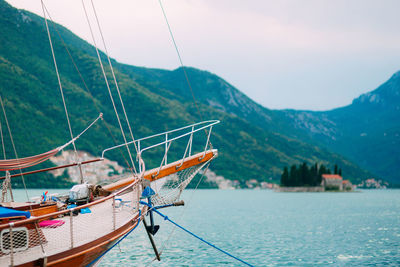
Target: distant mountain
<point>250,141</point>
<point>367,131</point>
<point>210,90</point>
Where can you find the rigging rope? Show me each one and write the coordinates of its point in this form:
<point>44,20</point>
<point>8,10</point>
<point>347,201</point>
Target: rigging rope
<point>108,86</point>
<point>164,244</point>
<point>61,90</point>
<point>85,85</point>
<point>181,62</point>
<point>20,170</point>
<point>6,182</point>
<point>179,57</point>
<point>15,150</point>
<point>2,141</point>
<point>19,163</point>
<point>6,186</point>
<point>194,235</point>
<point>115,79</point>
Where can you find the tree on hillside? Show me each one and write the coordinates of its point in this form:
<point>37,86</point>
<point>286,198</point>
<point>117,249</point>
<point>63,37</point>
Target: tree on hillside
<point>322,170</point>
<point>304,174</point>
<point>314,174</point>
<point>293,176</point>
<point>285,177</point>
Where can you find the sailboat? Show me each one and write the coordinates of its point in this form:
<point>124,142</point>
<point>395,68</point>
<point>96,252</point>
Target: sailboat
<point>78,228</point>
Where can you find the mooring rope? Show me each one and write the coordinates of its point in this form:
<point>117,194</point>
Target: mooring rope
<point>166,241</point>
<point>194,235</point>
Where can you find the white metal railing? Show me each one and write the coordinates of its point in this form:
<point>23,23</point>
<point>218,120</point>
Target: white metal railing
<point>191,129</point>
<point>79,230</point>
<point>106,216</point>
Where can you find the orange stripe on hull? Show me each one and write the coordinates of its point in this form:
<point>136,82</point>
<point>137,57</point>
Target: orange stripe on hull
<point>166,170</point>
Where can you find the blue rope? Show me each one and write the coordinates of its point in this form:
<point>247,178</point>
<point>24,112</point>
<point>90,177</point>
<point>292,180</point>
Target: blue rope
<point>96,259</point>
<point>196,236</point>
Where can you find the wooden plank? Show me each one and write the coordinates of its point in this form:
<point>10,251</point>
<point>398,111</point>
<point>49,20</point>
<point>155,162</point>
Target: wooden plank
<point>44,210</point>
<point>51,215</point>
<point>166,170</point>
<point>20,205</point>
<point>172,168</point>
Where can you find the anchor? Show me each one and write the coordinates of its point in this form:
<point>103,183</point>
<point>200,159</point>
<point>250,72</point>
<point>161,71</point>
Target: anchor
<point>152,228</point>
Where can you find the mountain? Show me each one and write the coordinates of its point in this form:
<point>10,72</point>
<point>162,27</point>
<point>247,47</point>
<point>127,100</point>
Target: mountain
<point>156,100</point>
<point>366,131</point>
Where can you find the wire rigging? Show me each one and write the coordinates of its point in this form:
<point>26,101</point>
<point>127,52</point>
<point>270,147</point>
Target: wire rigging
<point>15,150</point>
<point>108,86</point>
<point>84,84</point>
<point>198,110</point>
<point>7,180</point>
<point>115,79</point>
<point>179,57</point>
<point>61,90</point>
<point>171,234</point>
<point>181,62</point>
<point>2,142</point>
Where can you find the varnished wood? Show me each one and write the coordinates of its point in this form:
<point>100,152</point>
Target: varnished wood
<point>20,205</point>
<point>44,210</point>
<point>166,170</point>
<point>62,212</point>
<point>85,254</point>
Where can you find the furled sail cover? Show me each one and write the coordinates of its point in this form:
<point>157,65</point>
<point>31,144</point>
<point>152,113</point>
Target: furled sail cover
<point>15,164</point>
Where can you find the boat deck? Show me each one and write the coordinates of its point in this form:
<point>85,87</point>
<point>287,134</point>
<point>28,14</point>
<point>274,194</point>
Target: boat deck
<point>77,230</point>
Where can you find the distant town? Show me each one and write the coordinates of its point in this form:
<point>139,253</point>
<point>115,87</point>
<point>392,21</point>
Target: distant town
<point>107,169</point>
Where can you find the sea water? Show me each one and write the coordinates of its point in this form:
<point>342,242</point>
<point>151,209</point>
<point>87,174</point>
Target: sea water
<point>267,228</point>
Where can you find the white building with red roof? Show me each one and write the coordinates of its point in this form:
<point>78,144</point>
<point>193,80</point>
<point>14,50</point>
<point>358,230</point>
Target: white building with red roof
<point>332,182</point>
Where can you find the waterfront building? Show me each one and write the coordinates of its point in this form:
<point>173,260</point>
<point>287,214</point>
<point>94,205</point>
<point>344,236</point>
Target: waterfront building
<point>332,182</point>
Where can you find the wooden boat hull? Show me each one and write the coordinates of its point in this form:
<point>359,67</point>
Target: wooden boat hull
<point>88,231</point>
<point>88,254</point>
<point>81,240</point>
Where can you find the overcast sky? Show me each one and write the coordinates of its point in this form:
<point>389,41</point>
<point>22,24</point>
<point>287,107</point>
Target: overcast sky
<point>310,54</point>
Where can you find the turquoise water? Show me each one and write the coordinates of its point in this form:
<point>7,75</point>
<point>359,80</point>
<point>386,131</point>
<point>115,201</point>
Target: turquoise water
<point>273,229</point>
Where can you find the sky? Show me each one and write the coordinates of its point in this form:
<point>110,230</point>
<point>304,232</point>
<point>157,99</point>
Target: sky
<point>310,54</point>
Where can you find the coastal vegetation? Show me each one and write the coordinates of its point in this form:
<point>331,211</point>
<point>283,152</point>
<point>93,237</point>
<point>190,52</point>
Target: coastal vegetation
<point>302,175</point>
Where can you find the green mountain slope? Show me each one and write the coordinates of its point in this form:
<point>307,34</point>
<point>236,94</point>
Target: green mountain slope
<point>155,101</point>
<point>367,131</point>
